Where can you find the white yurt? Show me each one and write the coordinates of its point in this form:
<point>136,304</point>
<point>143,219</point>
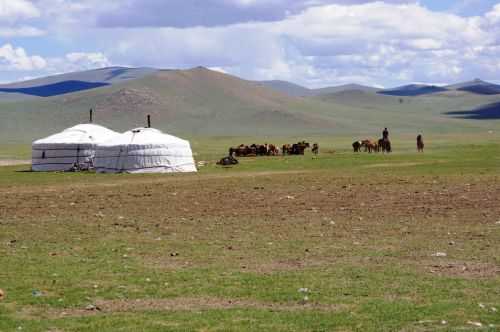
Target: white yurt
<point>144,150</point>
<point>73,146</point>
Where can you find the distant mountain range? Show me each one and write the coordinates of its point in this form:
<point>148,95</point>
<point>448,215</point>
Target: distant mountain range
<point>476,86</point>
<point>91,79</point>
<point>71,82</point>
<point>102,75</point>
<point>296,90</point>
<point>411,90</point>
<point>288,88</point>
<point>200,102</point>
<point>54,89</point>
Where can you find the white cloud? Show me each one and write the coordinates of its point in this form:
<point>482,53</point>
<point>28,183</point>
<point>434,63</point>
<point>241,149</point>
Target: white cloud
<point>494,14</point>
<point>379,22</point>
<point>12,58</point>
<point>22,31</point>
<point>76,61</point>
<point>12,10</point>
<point>425,44</point>
<point>88,60</point>
<point>377,43</point>
<point>319,42</point>
<point>12,14</point>
<point>17,60</point>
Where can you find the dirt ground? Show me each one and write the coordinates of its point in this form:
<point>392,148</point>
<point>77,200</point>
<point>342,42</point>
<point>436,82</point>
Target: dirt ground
<point>372,212</point>
<point>262,224</point>
<point>264,195</point>
<point>13,162</point>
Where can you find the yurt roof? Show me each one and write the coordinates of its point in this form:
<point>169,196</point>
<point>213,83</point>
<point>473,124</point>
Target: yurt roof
<point>81,134</point>
<point>144,136</point>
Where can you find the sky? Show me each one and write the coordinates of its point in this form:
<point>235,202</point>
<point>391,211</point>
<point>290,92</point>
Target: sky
<point>314,43</point>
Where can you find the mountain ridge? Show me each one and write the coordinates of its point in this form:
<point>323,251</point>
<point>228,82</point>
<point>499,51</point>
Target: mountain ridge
<point>200,102</point>
<point>118,74</point>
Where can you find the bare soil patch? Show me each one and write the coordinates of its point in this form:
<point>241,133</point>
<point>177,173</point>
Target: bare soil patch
<point>393,165</point>
<point>468,270</point>
<point>266,195</point>
<point>14,162</point>
<point>175,304</point>
<point>270,222</point>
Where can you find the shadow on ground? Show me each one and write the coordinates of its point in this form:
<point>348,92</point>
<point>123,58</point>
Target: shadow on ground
<point>55,89</point>
<point>488,112</point>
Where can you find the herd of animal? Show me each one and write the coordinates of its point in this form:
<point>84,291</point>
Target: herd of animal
<point>382,145</point>
<point>255,150</point>
<point>367,145</point>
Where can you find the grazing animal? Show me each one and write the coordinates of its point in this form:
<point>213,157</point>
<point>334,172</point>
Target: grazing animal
<point>273,150</point>
<point>365,144</point>
<point>238,151</point>
<point>370,146</point>
<point>385,145</point>
<point>295,149</point>
<point>242,151</point>
<point>420,143</point>
<point>260,150</point>
<point>299,148</point>
<point>285,149</point>
<point>315,148</point>
<point>254,150</point>
<point>356,146</point>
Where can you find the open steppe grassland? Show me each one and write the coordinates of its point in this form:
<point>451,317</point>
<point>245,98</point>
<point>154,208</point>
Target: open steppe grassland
<point>341,241</point>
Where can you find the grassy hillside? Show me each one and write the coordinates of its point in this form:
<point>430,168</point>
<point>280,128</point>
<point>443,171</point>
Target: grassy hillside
<point>192,102</point>
<point>288,88</point>
<point>200,103</point>
<point>296,90</point>
<point>476,86</point>
<point>344,88</point>
<point>434,113</point>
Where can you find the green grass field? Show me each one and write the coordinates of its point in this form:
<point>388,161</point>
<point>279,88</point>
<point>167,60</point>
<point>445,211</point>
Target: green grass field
<point>340,242</point>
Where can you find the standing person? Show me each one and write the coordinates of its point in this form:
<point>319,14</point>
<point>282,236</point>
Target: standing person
<point>315,148</point>
<point>385,134</point>
<point>420,143</point>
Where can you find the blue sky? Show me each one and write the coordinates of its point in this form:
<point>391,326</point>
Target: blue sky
<point>311,42</point>
<point>465,7</point>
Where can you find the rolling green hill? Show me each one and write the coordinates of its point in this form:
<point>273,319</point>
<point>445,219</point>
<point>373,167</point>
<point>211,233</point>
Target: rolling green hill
<point>200,103</point>
<point>296,90</point>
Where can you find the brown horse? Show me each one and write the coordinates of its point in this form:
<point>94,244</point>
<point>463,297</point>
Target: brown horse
<point>420,143</point>
<point>300,147</point>
<point>295,149</point>
<point>243,151</point>
<point>370,146</point>
<point>273,150</point>
<point>385,145</point>
<point>285,149</point>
